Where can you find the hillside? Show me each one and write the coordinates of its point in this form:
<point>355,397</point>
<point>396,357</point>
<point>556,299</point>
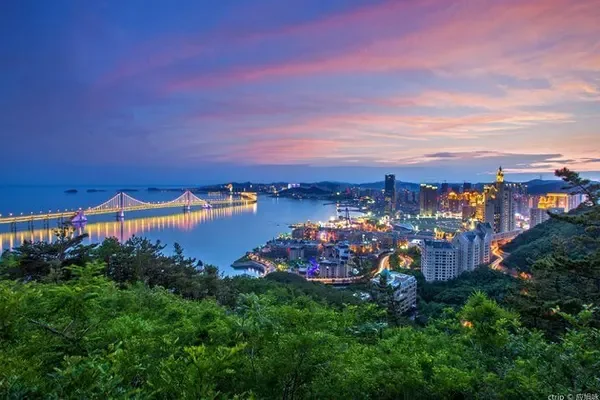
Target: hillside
<point>539,241</point>
<point>399,185</point>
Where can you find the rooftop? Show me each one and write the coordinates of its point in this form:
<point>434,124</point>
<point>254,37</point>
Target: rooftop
<point>438,244</point>
<point>394,279</point>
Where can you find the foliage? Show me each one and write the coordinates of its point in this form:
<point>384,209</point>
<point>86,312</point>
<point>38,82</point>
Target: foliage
<point>127,321</point>
<point>569,275</point>
<point>88,338</point>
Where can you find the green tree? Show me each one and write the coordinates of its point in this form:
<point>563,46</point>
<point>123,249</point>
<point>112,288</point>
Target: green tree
<point>564,278</point>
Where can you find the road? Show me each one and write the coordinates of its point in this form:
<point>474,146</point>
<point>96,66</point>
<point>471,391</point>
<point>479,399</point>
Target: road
<point>384,262</point>
<point>498,266</point>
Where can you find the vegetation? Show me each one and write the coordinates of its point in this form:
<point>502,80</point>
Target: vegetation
<point>412,252</point>
<point>568,277</point>
<point>126,321</point>
<point>541,240</point>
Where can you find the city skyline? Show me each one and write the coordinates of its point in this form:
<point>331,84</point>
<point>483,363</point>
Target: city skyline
<point>149,93</point>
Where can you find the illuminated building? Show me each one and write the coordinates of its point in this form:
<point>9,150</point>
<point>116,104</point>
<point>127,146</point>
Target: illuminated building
<point>438,260</point>
<point>565,201</point>
<point>473,247</point>
<point>336,260</point>
<point>469,212</point>
<point>500,204</point>
<point>455,202</point>
<point>389,193</point>
<point>428,200</point>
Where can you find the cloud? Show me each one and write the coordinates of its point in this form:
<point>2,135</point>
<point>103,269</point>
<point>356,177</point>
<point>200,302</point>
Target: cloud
<point>465,155</point>
<point>534,38</point>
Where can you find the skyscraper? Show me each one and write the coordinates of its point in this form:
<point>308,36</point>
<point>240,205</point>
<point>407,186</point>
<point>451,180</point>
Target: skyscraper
<point>537,216</point>
<point>500,205</point>
<point>389,193</point>
<point>428,200</point>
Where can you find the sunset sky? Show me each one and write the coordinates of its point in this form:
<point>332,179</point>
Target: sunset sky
<point>205,91</point>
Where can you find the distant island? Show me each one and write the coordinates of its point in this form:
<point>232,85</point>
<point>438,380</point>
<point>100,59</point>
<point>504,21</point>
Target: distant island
<point>71,191</point>
<point>95,190</point>
<point>128,190</point>
<point>154,189</point>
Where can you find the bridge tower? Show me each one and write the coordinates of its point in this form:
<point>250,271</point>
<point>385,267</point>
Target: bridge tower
<point>121,201</point>
<point>188,201</point>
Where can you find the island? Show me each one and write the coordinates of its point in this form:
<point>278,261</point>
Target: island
<point>96,190</point>
<point>71,191</point>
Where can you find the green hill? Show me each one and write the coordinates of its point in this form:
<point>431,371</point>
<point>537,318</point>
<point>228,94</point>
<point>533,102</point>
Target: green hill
<point>540,241</point>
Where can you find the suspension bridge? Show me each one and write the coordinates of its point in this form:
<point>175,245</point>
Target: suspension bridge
<point>122,202</point>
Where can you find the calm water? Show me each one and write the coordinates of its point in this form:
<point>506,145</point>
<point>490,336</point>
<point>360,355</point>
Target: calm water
<point>216,236</point>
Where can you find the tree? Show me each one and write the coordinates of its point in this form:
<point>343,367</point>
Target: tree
<point>563,278</point>
<point>43,260</point>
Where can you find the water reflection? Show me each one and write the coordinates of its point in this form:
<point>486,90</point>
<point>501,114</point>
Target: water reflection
<point>125,229</point>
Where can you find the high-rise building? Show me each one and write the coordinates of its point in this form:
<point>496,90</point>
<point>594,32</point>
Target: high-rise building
<point>455,202</point>
<point>500,205</point>
<point>468,212</point>
<point>467,186</point>
<point>473,247</point>
<point>389,193</point>
<point>438,260</point>
<point>537,216</point>
<point>444,188</point>
<point>468,251</point>
<point>428,200</point>
<point>404,287</point>
<point>565,201</point>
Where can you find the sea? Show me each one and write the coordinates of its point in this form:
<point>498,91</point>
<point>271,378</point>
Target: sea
<point>217,236</point>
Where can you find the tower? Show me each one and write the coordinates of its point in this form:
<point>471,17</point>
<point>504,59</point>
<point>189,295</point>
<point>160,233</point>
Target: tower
<point>389,193</point>
<point>428,200</point>
<point>500,207</point>
<point>500,176</point>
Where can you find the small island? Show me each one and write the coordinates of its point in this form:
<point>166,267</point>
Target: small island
<point>71,191</point>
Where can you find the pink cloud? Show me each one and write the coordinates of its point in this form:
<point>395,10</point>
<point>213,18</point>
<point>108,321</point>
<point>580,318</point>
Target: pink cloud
<point>166,51</point>
<point>535,38</point>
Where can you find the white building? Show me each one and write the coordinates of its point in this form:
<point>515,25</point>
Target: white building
<point>468,249</point>
<point>336,260</point>
<point>438,260</point>
<point>473,247</point>
<point>404,286</point>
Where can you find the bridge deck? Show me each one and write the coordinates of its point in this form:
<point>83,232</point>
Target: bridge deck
<point>68,214</point>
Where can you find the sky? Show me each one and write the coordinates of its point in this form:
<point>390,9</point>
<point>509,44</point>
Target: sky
<point>148,91</point>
